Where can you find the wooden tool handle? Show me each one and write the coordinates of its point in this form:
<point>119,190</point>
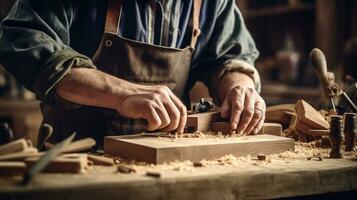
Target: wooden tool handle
<point>319,63</point>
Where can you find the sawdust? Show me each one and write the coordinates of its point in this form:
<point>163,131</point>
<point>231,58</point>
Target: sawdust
<point>305,151</point>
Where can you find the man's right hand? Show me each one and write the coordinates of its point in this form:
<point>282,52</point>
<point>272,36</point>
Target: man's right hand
<point>157,104</point>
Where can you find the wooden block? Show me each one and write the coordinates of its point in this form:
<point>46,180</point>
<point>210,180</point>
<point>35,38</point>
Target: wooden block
<point>101,160</point>
<point>66,163</point>
<point>202,121</point>
<point>261,157</point>
<point>309,116</point>
<point>223,127</point>
<point>268,128</point>
<point>280,114</point>
<point>160,150</point>
<point>155,174</point>
<point>14,147</point>
<point>271,129</point>
<point>80,145</point>
<point>320,133</point>
<point>125,169</point>
<point>30,152</point>
<point>12,168</point>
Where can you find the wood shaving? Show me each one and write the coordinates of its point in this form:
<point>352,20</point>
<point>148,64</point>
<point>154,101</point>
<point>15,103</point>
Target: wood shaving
<point>303,151</point>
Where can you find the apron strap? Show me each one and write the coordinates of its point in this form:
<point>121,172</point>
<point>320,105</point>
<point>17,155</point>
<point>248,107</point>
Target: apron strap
<point>113,16</point>
<point>114,13</point>
<point>196,22</point>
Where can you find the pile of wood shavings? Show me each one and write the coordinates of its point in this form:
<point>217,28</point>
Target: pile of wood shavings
<point>305,151</point>
<point>198,134</point>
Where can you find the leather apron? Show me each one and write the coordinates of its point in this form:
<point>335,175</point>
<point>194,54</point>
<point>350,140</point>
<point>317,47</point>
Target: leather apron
<point>133,61</point>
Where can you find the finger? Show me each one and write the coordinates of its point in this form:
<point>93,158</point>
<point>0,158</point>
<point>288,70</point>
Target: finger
<point>237,106</point>
<point>259,126</point>
<point>183,113</point>
<point>163,114</point>
<point>248,111</point>
<point>225,108</point>
<point>259,111</point>
<point>174,114</point>
<point>153,119</point>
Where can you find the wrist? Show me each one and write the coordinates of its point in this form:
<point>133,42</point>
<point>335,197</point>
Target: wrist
<point>232,80</point>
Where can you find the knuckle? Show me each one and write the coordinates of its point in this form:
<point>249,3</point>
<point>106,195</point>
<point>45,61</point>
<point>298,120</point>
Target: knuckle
<point>237,105</point>
<point>150,104</point>
<point>249,90</point>
<point>183,109</point>
<point>249,111</point>
<point>162,90</point>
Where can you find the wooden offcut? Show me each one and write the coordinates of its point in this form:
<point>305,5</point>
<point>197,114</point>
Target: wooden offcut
<point>280,114</point>
<point>101,160</point>
<point>12,168</point>
<point>160,150</point>
<point>80,145</point>
<point>67,163</point>
<point>18,156</point>
<point>14,147</point>
<point>268,128</point>
<point>202,121</point>
<point>309,116</point>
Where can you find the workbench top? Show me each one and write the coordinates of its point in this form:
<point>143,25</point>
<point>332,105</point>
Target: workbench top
<point>252,180</point>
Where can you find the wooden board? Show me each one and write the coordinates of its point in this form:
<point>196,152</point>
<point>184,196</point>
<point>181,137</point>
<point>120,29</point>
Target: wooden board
<point>202,121</point>
<point>278,179</point>
<point>160,150</point>
<point>280,114</point>
<point>268,128</point>
<point>66,163</point>
<point>309,116</point>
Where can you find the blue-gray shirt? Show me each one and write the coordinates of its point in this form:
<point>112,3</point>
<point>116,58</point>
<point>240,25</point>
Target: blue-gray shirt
<point>41,40</point>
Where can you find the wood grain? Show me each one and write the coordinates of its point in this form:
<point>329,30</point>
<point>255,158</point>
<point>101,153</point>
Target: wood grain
<point>80,145</point>
<point>161,150</point>
<point>14,147</point>
<point>66,163</point>
<point>280,114</point>
<point>12,168</point>
<point>278,179</point>
<point>268,128</point>
<point>309,116</point>
<point>202,121</point>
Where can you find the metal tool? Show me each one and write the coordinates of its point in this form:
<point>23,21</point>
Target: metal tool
<point>204,105</point>
<point>45,133</point>
<point>331,88</point>
<point>6,134</point>
<point>47,158</point>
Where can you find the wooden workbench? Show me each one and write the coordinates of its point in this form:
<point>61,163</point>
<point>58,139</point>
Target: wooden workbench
<point>252,180</point>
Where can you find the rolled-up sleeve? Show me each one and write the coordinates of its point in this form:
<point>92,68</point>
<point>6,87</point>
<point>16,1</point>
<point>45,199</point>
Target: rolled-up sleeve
<point>34,46</point>
<point>230,48</point>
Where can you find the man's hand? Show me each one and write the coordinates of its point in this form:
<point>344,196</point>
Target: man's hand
<point>242,104</point>
<point>245,108</point>
<point>158,105</point>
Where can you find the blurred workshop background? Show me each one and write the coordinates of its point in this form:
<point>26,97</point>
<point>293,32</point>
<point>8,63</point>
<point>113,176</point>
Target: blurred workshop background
<point>284,30</point>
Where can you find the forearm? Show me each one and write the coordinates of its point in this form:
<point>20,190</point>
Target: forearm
<point>231,80</point>
<point>92,87</point>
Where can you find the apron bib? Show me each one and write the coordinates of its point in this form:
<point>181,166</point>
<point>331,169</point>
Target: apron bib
<point>133,61</point>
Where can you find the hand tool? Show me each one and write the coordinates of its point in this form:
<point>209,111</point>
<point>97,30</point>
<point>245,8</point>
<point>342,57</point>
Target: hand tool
<point>350,131</point>
<point>47,158</point>
<point>6,134</point>
<point>331,88</point>
<point>336,136</point>
<point>45,133</point>
<point>204,105</point>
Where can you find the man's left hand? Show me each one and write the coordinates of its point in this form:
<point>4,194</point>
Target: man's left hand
<point>245,108</point>
<point>241,103</point>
